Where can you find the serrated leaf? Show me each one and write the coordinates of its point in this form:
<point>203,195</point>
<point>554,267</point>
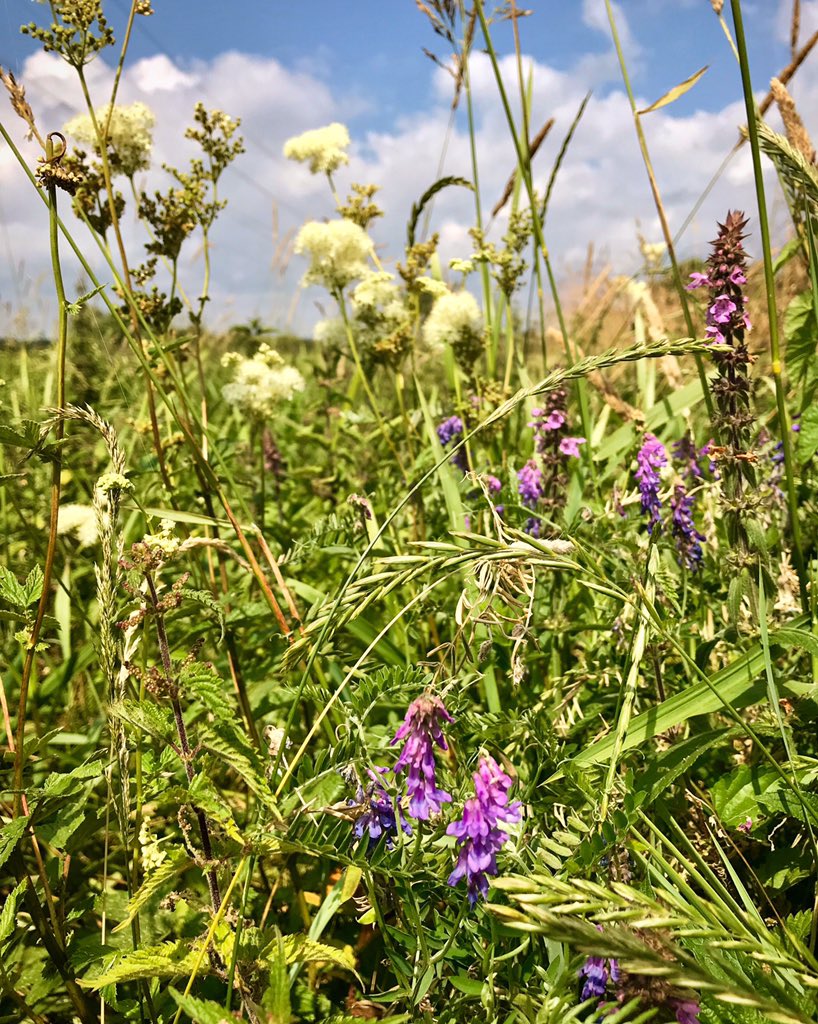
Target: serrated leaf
<point>808,642</point>
<point>8,915</point>
<point>206,599</point>
<point>10,836</point>
<point>800,334</point>
<point>736,796</point>
<point>33,585</point>
<point>201,1011</point>
<point>145,716</point>
<point>200,680</point>
<point>676,92</point>
<point>807,443</point>
<point>167,960</point>
<point>10,590</point>
<point>276,1000</point>
<point>70,783</point>
<point>167,870</point>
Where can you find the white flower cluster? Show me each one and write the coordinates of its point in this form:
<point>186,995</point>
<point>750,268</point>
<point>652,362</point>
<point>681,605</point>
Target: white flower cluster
<point>378,311</point>
<point>324,148</point>
<point>262,383</point>
<point>80,521</point>
<point>338,251</point>
<point>130,133</point>
<point>455,317</point>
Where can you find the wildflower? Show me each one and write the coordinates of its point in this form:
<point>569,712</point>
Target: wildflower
<point>450,431</point>
<point>260,384</point>
<point>130,134</point>
<point>378,814</point>
<point>455,319</point>
<point>493,484</point>
<point>477,831</point>
<point>570,446</point>
<point>685,452</point>
<point>337,250</point>
<point>722,309</point>
<point>687,537</point>
<point>597,971</point>
<point>375,289</point>
<point>745,825</point>
<point>421,730</point>
<point>650,459</point>
<point>530,483</point>
<point>687,1011</point>
<point>432,286</point>
<point>698,280</point>
<point>81,521</point>
<point>323,148</point>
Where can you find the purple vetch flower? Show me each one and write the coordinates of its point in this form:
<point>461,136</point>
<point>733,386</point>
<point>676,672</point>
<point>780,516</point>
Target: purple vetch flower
<point>649,460</point>
<point>493,484</point>
<point>379,816</point>
<point>533,527</point>
<point>698,280</point>
<point>477,831</point>
<point>530,483</point>
<point>745,825</point>
<point>687,537</point>
<point>421,730</point>
<point>686,1010</point>
<point>570,446</point>
<point>450,431</point>
<point>597,971</point>
<point>685,452</point>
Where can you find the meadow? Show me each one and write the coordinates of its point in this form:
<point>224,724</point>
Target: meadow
<point>459,662</point>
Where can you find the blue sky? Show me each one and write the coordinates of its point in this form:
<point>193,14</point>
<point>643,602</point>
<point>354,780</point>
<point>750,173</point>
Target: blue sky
<point>288,67</point>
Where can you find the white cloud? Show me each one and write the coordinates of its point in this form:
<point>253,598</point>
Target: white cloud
<point>601,193</point>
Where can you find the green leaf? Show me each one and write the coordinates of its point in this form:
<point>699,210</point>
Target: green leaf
<point>10,590</point>
<point>145,716</point>
<point>202,1011</point>
<point>8,915</point>
<point>207,600</point>
<point>787,252</point>
<point>73,782</point>
<point>468,986</point>
<point>276,999</point>
<point>735,796</point>
<point>33,586</point>
<point>167,960</point>
<point>800,334</point>
<point>668,766</point>
<point>10,836</point>
<point>738,683</point>
<point>786,637</point>
<point>169,869</point>
<point>807,443</point>
<point>673,94</point>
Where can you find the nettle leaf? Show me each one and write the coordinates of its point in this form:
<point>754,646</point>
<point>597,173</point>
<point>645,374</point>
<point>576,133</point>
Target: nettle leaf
<point>276,999</point>
<point>8,915</point>
<point>167,960</point>
<point>10,590</point>
<point>10,836</point>
<point>169,869</point>
<point>201,1011</point>
<point>33,585</point>
<point>207,600</point>
<point>807,443</point>
<point>301,949</point>
<point>800,332</point>
<point>220,738</point>
<point>736,796</point>
<point>200,680</point>
<point>145,716</point>
<point>73,782</point>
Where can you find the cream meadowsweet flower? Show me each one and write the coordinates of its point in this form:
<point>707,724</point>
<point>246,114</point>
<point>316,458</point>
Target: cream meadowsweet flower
<point>376,289</point>
<point>260,384</point>
<point>323,148</point>
<point>130,133</point>
<point>331,332</point>
<point>80,521</point>
<point>337,250</point>
<point>455,318</point>
<point>434,287</point>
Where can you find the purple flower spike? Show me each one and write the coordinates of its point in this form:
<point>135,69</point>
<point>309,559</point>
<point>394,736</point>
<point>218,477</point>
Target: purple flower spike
<point>687,537</point>
<point>697,280</point>
<point>421,730</point>
<point>530,483</point>
<point>477,831</point>
<point>650,459</point>
<point>494,485</point>
<point>596,974</point>
<point>570,446</point>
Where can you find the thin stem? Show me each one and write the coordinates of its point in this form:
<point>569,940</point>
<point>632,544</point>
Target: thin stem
<point>772,312</point>
<point>660,209</point>
<point>56,474</point>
